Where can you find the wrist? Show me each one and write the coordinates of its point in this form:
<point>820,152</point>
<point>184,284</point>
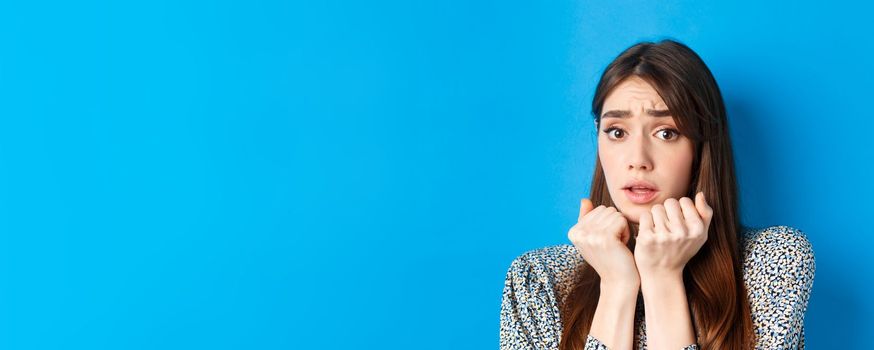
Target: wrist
<point>627,287</point>
<point>662,283</point>
<point>651,276</point>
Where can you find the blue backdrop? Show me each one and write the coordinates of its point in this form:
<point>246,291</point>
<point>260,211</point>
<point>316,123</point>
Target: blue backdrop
<point>273,175</point>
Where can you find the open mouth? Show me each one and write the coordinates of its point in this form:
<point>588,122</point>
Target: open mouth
<point>640,195</point>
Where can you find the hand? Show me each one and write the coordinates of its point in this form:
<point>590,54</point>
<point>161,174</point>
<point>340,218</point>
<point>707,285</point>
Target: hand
<point>600,236</point>
<point>671,234</point>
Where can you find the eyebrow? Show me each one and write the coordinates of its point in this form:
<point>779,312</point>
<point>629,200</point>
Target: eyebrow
<point>626,114</point>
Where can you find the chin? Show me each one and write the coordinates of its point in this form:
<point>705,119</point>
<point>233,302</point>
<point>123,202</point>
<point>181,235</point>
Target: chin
<point>633,215</point>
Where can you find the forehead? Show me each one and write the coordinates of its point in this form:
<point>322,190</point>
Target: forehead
<point>634,93</point>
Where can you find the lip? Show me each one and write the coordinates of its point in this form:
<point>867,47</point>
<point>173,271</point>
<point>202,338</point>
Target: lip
<point>640,183</point>
<point>640,197</point>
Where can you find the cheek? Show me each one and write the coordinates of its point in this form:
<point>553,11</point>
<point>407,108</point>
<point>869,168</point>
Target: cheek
<point>608,163</point>
<point>612,167</point>
<point>681,166</point>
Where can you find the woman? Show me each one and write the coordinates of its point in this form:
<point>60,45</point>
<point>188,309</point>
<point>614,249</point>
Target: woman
<point>659,258</point>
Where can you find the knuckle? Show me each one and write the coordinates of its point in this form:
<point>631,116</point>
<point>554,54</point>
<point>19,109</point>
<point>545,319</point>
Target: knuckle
<point>574,232</point>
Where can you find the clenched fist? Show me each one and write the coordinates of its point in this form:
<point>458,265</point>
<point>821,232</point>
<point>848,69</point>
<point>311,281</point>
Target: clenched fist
<point>600,235</point>
<point>671,234</point>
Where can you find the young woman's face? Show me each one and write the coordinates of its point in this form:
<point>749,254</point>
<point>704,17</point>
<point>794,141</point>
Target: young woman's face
<point>638,140</point>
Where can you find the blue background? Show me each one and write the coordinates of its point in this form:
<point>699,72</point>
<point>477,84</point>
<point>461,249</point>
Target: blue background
<point>272,175</point>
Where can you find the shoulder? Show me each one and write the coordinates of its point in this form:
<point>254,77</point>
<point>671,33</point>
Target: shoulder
<point>777,242</point>
<point>550,260</point>
<point>778,257</point>
<point>551,268</point>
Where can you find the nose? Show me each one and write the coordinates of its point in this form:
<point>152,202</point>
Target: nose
<point>638,154</point>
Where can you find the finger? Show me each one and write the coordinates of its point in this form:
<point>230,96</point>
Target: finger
<point>585,208</point>
<point>604,214</point>
<point>704,210</point>
<point>644,229</point>
<point>596,214</point>
<point>624,234</point>
<point>674,215</point>
<point>690,213</point>
<point>658,218</point>
<point>619,221</point>
<point>645,223</point>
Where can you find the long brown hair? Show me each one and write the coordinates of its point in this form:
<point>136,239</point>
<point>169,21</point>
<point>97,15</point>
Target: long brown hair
<point>713,277</point>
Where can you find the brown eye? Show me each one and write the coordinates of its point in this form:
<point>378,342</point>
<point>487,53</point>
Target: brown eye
<point>674,132</point>
<point>613,131</point>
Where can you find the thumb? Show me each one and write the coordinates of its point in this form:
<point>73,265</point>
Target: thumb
<point>585,208</point>
<point>704,210</point>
